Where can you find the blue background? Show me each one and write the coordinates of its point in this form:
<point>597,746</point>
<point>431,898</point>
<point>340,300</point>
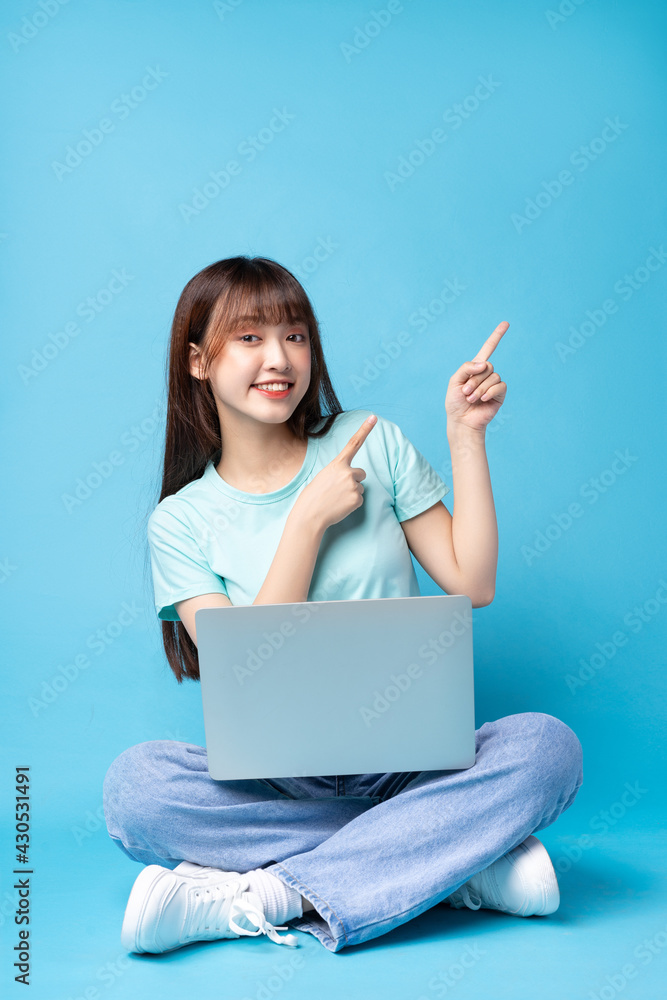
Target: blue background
<point>370,250</point>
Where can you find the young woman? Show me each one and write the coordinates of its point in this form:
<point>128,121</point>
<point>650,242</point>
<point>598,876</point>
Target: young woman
<point>267,499</point>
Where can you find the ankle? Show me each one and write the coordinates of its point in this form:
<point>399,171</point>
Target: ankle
<point>280,901</point>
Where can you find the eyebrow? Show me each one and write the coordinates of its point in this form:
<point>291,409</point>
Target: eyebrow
<point>249,323</point>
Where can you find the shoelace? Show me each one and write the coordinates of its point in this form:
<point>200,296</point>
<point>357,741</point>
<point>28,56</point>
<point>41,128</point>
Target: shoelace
<point>225,903</point>
<point>465,896</point>
<point>244,906</point>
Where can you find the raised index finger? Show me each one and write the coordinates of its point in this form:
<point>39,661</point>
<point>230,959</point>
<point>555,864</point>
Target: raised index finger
<point>357,439</point>
<point>490,345</point>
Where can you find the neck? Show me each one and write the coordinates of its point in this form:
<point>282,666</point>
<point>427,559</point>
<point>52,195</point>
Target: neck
<point>257,455</point>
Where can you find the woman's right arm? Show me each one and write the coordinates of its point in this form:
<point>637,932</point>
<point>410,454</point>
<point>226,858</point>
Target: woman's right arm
<point>334,493</point>
<point>289,576</point>
<point>290,573</point>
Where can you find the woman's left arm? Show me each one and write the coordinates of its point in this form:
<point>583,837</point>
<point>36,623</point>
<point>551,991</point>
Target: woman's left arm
<point>460,550</point>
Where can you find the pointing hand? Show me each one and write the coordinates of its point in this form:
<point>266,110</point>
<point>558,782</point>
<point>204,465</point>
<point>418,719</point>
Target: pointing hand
<point>475,392</point>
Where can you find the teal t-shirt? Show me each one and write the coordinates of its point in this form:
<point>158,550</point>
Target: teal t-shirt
<point>211,538</point>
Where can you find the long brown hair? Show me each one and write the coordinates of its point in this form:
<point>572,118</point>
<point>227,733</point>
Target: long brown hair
<point>221,298</point>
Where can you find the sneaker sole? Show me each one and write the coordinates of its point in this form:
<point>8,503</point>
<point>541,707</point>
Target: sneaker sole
<point>543,869</point>
<point>136,907</point>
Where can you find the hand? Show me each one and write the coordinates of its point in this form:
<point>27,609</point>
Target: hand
<point>463,401</point>
<point>337,489</point>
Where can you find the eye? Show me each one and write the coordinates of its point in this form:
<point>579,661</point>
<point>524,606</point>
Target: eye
<point>244,336</point>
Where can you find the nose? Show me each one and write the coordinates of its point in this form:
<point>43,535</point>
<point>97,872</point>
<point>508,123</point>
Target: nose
<point>276,357</point>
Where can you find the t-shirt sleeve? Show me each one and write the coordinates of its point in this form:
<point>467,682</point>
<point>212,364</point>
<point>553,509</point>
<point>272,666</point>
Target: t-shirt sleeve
<point>180,568</point>
<point>417,486</point>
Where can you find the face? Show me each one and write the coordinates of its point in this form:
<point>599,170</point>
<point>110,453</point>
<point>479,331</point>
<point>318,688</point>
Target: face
<point>262,354</point>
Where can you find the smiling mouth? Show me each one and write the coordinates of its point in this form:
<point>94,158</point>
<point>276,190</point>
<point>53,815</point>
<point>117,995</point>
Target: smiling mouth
<point>264,387</point>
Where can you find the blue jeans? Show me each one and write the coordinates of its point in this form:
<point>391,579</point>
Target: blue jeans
<point>370,851</point>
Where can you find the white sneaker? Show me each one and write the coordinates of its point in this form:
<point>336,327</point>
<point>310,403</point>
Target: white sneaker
<point>523,882</point>
<point>171,908</point>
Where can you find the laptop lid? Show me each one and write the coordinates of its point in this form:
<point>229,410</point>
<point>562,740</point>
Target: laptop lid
<point>337,687</point>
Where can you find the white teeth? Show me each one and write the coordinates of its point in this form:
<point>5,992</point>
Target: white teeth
<point>274,386</point>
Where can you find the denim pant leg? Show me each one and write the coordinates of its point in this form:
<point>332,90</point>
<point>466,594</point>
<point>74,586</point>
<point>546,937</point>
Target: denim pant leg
<point>162,807</point>
<point>433,830</point>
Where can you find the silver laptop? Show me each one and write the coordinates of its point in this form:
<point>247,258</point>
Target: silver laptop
<point>337,687</point>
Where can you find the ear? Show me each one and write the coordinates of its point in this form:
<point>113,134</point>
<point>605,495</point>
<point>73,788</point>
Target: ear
<point>195,361</point>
